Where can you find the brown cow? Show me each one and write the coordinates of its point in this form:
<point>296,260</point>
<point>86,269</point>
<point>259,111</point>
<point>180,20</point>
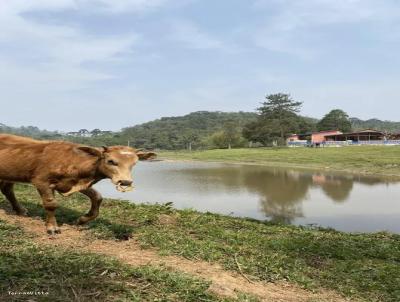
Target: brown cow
<point>63,167</point>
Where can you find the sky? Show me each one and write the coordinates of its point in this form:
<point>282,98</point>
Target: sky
<point>109,64</point>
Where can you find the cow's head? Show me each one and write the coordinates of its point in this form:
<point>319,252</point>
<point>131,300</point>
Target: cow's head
<point>116,163</point>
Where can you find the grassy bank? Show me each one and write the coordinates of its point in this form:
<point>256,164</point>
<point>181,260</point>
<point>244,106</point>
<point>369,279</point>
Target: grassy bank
<point>361,159</point>
<point>56,274</point>
<point>365,266</point>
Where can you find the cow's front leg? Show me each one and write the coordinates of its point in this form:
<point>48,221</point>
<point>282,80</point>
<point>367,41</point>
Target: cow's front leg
<point>95,198</point>
<point>50,205</point>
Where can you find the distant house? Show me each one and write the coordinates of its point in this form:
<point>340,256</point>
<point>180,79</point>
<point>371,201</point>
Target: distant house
<point>297,140</point>
<point>337,138</point>
<point>367,135</point>
<point>73,133</point>
<point>80,133</point>
<point>311,138</point>
<point>87,133</point>
<point>293,138</point>
<point>318,138</point>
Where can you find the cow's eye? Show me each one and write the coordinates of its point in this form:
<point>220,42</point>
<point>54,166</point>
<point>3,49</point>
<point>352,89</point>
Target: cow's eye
<point>112,162</point>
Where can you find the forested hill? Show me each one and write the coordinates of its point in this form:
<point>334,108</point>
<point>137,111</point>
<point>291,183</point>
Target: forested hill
<point>195,128</point>
<point>376,124</point>
<point>177,132</point>
<point>202,129</point>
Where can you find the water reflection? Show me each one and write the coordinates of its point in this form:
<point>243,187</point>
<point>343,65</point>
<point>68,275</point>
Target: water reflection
<point>281,191</point>
<point>343,201</point>
<point>338,189</point>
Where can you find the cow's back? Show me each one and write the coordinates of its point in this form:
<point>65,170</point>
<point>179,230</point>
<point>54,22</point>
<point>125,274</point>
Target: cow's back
<point>14,139</point>
<point>19,157</point>
<point>23,159</point>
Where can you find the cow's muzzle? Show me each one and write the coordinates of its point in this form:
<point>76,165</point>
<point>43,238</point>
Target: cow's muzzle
<point>124,185</point>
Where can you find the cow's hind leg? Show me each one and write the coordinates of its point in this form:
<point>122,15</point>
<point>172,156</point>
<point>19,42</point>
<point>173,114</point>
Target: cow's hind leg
<point>50,205</point>
<point>95,198</point>
<point>7,188</point>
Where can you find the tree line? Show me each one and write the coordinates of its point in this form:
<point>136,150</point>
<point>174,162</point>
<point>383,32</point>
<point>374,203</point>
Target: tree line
<point>277,118</point>
<point>271,124</point>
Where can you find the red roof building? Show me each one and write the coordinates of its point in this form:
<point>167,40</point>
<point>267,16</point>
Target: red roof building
<point>320,137</point>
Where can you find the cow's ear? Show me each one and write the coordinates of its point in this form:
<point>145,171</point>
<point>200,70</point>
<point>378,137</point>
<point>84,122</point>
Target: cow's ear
<point>143,155</point>
<point>91,151</point>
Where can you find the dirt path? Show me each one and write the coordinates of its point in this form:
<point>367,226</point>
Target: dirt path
<point>224,283</point>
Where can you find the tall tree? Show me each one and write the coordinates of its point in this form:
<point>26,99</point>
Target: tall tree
<point>307,124</point>
<point>188,138</point>
<point>336,119</point>
<point>276,121</point>
<point>231,133</point>
<point>229,137</point>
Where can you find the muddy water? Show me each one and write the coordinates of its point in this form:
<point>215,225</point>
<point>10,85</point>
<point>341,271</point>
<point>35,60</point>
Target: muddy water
<point>345,202</point>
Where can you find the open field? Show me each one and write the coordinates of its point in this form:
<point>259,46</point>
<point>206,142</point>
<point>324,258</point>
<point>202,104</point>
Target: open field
<point>174,255</point>
<point>382,160</point>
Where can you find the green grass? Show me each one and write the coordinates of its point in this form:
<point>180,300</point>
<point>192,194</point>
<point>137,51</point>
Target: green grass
<point>384,160</point>
<point>65,275</point>
<point>365,266</point>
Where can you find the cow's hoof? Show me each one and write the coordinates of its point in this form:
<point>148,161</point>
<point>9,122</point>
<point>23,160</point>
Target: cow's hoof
<point>53,232</point>
<point>82,220</point>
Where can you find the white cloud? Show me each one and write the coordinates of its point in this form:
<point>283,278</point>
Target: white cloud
<point>37,54</point>
<point>192,36</point>
<point>52,74</point>
<point>120,6</point>
<point>293,13</point>
<point>283,43</point>
<point>91,6</point>
<point>21,6</point>
<point>293,20</point>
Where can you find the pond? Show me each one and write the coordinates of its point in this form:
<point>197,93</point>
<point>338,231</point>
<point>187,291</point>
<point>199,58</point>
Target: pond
<point>344,202</point>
